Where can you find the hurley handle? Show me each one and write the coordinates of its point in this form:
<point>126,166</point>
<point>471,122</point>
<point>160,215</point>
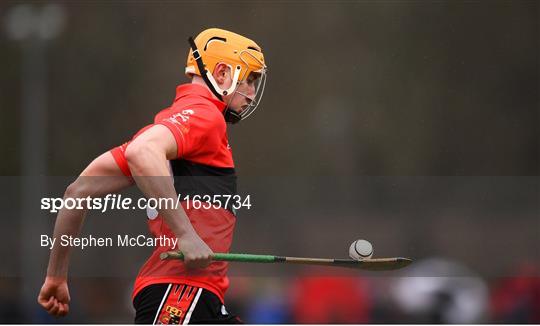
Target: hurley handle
<point>247,258</point>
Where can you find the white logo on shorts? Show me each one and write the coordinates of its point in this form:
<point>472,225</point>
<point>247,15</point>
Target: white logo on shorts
<point>223,310</point>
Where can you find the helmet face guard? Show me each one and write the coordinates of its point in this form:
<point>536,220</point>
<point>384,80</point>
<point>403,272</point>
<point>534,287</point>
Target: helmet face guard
<point>259,82</point>
<point>246,62</point>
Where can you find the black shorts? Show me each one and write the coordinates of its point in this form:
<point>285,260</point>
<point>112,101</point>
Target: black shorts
<point>176,304</point>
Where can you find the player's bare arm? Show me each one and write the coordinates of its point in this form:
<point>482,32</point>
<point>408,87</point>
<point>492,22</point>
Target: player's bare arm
<point>54,294</point>
<point>147,158</point>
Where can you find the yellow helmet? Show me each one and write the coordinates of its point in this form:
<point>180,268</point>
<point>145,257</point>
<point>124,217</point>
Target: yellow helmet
<point>217,45</point>
<point>244,57</point>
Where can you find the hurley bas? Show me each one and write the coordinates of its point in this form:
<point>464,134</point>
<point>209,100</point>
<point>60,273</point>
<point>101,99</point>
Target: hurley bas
<point>121,241</point>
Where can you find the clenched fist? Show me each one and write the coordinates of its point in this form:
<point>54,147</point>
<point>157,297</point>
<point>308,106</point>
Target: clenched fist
<point>196,252</point>
<point>54,296</point>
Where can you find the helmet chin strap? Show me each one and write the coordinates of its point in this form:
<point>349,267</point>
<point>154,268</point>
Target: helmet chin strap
<point>232,116</point>
<point>202,69</point>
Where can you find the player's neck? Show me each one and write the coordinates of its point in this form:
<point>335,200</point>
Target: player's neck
<point>199,81</point>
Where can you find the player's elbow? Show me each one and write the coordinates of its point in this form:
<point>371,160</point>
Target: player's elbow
<point>138,154</point>
<point>77,189</point>
<point>135,153</point>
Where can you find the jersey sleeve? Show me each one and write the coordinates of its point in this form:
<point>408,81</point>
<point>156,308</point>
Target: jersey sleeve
<point>195,131</point>
<point>119,155</point>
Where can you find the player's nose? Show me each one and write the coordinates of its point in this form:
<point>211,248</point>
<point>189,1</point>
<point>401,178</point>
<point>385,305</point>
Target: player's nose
<point>252,91</point>
<point>250,94</point>
<point>249,99</point>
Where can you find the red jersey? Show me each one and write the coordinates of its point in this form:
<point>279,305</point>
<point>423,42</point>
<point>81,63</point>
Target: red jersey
<point>204,165</point>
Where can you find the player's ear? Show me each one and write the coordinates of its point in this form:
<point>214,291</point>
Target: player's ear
<point>222,73</point>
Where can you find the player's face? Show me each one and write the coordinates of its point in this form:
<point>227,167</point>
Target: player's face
<point>244,94</point>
